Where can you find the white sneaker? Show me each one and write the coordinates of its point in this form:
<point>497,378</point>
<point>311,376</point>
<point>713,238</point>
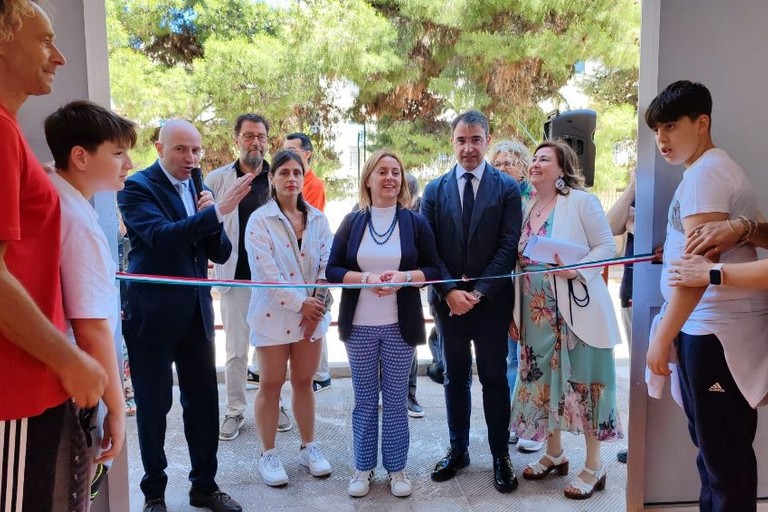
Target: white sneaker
<point>400,484</point>
<point>360,483</point>
<point>528,446</point>
<point>272,470</point>
<point>313,458</point>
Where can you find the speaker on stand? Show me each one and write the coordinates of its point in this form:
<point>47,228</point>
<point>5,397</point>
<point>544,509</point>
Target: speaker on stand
<point>577,128</point>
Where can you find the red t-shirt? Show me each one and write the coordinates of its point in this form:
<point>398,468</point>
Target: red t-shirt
<point>314,190</point>
<point>30,221</point>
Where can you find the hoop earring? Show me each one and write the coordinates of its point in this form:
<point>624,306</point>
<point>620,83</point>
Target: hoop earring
<point>560,184</point>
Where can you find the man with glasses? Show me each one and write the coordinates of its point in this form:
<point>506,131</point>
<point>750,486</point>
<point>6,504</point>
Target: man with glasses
<point>251,132</point>
<point>174,229</point>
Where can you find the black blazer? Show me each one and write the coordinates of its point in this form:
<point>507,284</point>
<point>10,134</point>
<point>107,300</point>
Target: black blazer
<point>165,241</point>
<point>418,251</point>
<point>493,233</point>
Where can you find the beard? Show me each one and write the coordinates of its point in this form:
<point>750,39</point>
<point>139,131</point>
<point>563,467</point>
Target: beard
<point>253,159</point>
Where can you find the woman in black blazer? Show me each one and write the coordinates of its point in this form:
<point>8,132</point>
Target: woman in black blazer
<point>381,325</point>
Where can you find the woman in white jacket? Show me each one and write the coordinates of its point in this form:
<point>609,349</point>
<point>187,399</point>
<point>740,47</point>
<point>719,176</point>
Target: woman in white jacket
<point>566,380</point>
<point>288,241</point>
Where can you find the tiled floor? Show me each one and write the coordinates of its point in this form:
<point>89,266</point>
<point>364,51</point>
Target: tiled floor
<point>471,490</point>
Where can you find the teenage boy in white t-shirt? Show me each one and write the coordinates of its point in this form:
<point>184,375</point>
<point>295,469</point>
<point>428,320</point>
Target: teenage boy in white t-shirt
<point>719,330</point>
<point>90,149</point>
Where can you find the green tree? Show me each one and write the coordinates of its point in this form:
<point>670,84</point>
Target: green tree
<point>504,57</point>
<point>409,65</point>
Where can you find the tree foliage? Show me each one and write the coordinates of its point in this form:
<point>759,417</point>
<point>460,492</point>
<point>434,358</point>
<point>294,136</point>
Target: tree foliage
<point>404,67</point>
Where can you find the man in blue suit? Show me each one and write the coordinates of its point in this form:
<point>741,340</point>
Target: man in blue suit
<point>475,213</point>
<point>174,230</point>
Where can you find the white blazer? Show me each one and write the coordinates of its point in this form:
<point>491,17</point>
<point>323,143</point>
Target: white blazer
<point>219,180</point>
<point>579,218</point>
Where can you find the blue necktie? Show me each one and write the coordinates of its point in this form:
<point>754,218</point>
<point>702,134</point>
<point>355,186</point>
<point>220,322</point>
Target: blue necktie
<point>468,204</point>
<point>183,188</point>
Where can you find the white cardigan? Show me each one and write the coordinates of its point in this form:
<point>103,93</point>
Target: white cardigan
<point>219,181</point>
<point>579,218</point>
<point>274,313</point>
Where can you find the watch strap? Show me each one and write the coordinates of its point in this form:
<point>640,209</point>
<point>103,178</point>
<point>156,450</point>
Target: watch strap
<point>716,274</point>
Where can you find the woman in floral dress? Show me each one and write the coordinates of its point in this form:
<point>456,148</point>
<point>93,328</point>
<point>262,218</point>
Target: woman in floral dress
<point>566,380</point>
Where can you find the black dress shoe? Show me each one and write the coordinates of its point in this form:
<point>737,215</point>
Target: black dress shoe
<point>155,505</point>
<point>504,479</point>
<point>446,468</point>
<point>217,501</point>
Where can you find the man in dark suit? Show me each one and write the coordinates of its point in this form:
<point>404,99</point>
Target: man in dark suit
<point>174,230</point>
<point>475,213</point>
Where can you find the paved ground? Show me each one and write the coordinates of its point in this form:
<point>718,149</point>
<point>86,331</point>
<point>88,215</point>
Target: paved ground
<point>471,490</point>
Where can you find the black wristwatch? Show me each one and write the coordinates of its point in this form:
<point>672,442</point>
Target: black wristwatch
<point>716,274</point>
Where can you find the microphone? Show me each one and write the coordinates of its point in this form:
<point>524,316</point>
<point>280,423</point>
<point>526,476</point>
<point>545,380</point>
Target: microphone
<point>197,179</point>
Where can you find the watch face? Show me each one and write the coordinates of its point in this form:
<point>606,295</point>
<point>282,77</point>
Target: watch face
<point>715,276</point>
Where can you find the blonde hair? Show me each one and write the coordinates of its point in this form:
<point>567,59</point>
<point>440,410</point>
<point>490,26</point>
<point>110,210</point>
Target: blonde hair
<point>12,13</point>
<point>514,147</point>
<point>403,197</point>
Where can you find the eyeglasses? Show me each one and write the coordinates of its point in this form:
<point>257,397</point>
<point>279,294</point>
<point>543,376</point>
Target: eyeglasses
<point>249,137</point>
<point>507,163</point>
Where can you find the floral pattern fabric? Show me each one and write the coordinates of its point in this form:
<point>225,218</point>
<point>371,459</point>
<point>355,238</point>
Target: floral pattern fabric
<point>562,383</point>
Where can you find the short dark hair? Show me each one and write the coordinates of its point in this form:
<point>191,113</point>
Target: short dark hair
<point>471,117</point>
<point>86,124</point>
<point>679,99</point>
<point>306,143</point>
<point>254,118</point>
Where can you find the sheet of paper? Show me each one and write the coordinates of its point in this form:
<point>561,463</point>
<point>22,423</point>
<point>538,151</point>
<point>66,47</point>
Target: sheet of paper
<point>543,249</point>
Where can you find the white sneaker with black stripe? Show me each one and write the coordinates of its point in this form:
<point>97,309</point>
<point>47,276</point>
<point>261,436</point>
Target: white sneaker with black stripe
<point>360,483</point>
<point>400,484</point>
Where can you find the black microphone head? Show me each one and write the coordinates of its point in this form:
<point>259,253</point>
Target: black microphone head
<point>197,179</point>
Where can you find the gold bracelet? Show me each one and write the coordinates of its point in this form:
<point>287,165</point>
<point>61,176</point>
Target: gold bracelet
<point>750,227</point>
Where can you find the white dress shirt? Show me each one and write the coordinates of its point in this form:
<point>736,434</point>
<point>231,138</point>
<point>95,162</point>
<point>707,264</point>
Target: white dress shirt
<point>477,173</point>
<point>187,197</point>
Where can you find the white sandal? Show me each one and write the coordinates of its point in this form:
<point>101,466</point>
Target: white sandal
<point>538,471</point>
<point>584,489</point>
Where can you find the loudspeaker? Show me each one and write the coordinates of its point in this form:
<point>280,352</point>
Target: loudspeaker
<point>577,128</point>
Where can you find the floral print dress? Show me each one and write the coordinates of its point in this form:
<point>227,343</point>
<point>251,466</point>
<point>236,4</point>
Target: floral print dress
<point>562,383</point>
